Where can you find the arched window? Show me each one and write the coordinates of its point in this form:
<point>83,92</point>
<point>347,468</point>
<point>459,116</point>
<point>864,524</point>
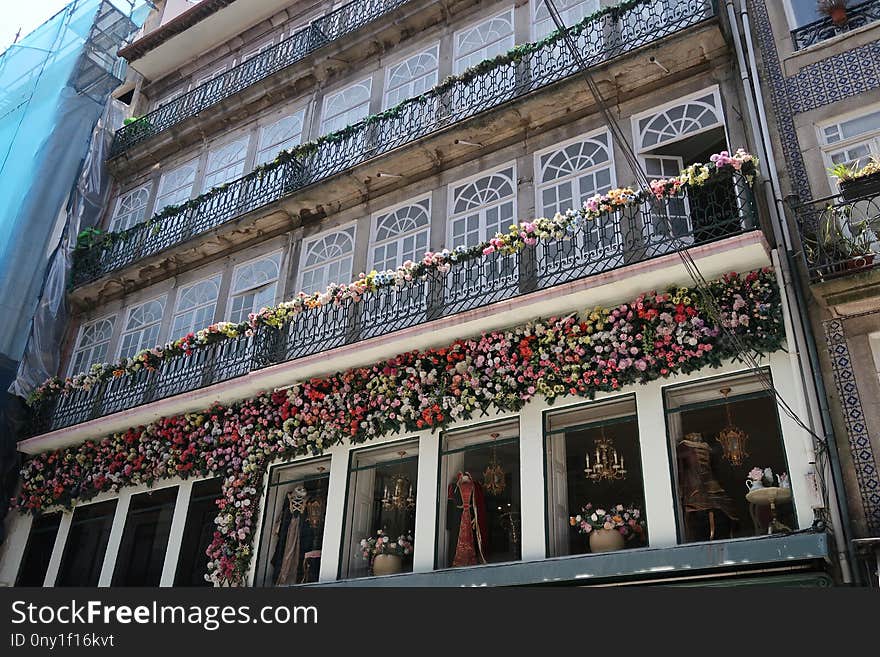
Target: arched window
<point>683,119</point>
<point>131,208</point>
<point>225,163</point>
<point>484,40</point>
<point>92,345</point>
<point>401,235</point>
<point>176,185</point>
<point>254,285</point>
<point>570,175</point>
<point>483,207</point>
<point>278,136</point>
<point>142,327</point>
<point>327,259</point>
<point>411,77</point>
<point>571,11</point>
<point>195,307</point>
<point>346,107</point>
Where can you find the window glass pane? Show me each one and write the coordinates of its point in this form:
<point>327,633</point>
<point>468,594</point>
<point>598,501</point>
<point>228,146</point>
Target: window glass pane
<point>860,125</point>
<point>804,11</point>
<point>346,107</point>
<point>192,562</point>
<point>401,235</point>
<point>595,487</point>
<point>175,187</point>
<point>412,77</point>
<point>253,287</point>
<point>571,11</point>
<point>142,327</point>
<point>145,538</point>
<point>293,529</point>
<point>382,489</point>
<point>195,307</point>
<point>480,489</point>
<point>86,544</point>
<point>713,499</point>
<point>38,550</point>
<point>225,163</point>
<point>487,204</point>
<point>131,209</point>
<point>483,41</point>
<point>678,121</point>
<point>285,133</point>
<point>92,345</point>
<point>573,174</point>
<point>328,260</point>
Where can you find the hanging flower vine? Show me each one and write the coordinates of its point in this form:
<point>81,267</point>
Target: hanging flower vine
<point>602,349</point>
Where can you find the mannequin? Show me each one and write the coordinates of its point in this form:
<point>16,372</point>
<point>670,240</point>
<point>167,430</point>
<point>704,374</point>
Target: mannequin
<point>466,514</point>
<point>311,539</point>
<point>701,494</point>
<point>288,528</point>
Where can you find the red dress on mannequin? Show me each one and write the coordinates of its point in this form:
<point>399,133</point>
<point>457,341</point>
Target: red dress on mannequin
<point>466,495</point>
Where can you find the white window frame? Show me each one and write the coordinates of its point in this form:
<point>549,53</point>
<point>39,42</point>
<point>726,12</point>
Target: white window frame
<point>533,14</point>
<point>330,96</point>
<point>111,317</point>
<point>714,90</point>
<point>218,277</point>
<point>790,17</point>
<point>123,330</point>
<point>374,227</point>
<point>244,140</point>
<point>870,138</point>
<point>114,218</point>
<point>263,256</point>
<point>194,163</point>
<point>540,186</point>
<point>276,146</point>
<point>246,56</point>
<point>220,70</point>
<point>433,49</point>
<point>170,98</point>
<point>300,275</point>
<point>456,55</point>
<point>451,215</point>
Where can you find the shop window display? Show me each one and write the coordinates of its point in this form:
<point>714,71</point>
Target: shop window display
<point>480,485</point>
<point>38,551</point>
<point>293,529</point>
<point>141,555</point>
<point>381,510</point>
<point>192,564</point>
<point>86,544</point>
<point>595,489</point>
<point>725,444</point>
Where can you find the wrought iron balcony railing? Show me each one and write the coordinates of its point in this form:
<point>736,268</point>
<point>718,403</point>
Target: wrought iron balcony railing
<point>841,236</point>
<point>319,33</point>
<point>629,235</point>
<point>856,16</point>
<point>607,37</point>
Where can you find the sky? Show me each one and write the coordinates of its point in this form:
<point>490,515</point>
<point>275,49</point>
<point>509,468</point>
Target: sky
<point>25,14</point>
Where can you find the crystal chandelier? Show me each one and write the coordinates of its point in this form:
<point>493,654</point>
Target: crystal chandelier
<point>733,439</point>
<point>401,495</point>
<point>607,464</point>
<point>494,477</point>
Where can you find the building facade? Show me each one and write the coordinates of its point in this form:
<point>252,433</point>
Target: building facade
<point>477,405</point>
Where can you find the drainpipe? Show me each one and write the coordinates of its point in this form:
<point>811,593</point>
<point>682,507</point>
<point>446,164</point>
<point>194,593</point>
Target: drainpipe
<point>790,283</point>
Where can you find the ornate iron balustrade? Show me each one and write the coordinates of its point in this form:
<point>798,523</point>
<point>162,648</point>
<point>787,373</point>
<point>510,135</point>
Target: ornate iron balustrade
<point>319,33</point>
<point>856,16</point>
<point>840,235</point>
<point>608,37</point>
<point>633,234</point>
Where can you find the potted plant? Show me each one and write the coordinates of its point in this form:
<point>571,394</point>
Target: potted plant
<point>840,242</point>
<point>858,183</point>
<point>835,10</point>
<point>610,529</point>
<point>385,555</point>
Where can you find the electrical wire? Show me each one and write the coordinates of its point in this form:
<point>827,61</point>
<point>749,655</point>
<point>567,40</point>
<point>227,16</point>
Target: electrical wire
<point>680,247</point>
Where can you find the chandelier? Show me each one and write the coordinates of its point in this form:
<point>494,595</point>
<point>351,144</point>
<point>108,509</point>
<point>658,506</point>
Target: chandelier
<point>494,477</point>
<point>401,495</point>
<point>733,439</point>
<point>607,464</point>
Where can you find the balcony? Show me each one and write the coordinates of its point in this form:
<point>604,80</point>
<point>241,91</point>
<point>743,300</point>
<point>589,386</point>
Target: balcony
<point>483,89</point>
<point>627,236</point>
<point>319,33</point>
<point>856,16</point>
<point>840,236</point>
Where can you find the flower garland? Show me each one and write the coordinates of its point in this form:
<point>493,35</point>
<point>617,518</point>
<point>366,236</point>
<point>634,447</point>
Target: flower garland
<point>106,239</point>
<point>722,166</point>
<point>603,349</point>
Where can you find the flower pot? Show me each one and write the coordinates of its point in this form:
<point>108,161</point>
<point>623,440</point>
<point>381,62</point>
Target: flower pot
<point>605,540</point>
<point>387,564</point>
<point>860,262</point>
<point>838,16</point>
<point>851,190</point>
